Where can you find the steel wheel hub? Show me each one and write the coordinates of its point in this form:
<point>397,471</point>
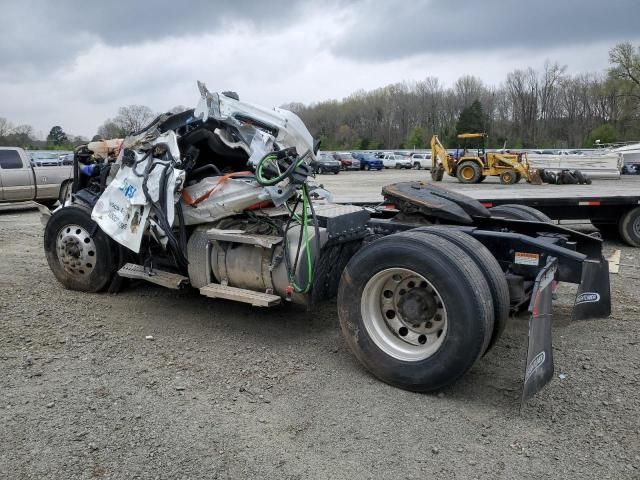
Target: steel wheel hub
<point>404,314</point>
<point>76,251</point>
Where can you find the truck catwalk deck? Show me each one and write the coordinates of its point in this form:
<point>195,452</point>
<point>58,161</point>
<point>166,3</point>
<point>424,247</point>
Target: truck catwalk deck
<point>611,205</point>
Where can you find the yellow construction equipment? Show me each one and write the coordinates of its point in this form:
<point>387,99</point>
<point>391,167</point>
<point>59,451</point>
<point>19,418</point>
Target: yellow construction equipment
<point>473,165</point>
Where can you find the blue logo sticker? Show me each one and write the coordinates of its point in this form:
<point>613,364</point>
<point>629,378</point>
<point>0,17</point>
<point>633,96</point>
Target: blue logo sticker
<point>128,190</point>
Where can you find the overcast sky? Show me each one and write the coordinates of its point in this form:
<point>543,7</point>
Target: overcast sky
<point>74,62</point>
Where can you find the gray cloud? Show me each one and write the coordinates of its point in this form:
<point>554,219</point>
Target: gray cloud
<point>37,35</point>
<point>391,30</point>
<point>73,63</point>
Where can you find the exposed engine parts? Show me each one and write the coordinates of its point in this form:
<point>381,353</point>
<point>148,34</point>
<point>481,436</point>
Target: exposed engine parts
<point>217,175</point>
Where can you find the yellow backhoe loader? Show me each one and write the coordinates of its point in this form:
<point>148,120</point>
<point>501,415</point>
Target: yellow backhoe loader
<point>473,165</point>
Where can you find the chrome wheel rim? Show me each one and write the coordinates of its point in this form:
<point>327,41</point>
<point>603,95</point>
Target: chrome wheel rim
<point>404,314</point>
<point>76,251</point>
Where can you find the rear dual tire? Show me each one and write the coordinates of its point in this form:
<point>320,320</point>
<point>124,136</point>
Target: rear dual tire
<point>400,310</point>
<point>491,270</point>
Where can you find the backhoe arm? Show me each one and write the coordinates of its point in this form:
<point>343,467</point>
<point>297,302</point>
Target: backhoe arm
<point>439,153</point>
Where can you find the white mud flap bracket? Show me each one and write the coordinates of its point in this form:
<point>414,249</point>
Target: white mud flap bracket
<point>539,366</point>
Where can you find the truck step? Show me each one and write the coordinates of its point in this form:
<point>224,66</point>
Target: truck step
<point>257,299</point>
<point>159,277</point>
<point>239,236</point>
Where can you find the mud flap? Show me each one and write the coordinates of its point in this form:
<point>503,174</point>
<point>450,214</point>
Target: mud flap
<point>539,369</point>
<point>593,299</point>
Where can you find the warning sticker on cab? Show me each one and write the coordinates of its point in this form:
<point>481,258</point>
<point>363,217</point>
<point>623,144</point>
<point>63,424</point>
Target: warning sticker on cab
<point>524,258</point>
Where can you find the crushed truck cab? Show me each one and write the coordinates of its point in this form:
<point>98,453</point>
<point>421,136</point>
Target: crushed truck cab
<point>222,198</point>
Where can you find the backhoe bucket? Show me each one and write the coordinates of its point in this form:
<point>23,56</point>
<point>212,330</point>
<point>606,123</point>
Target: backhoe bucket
<point>534,176</point>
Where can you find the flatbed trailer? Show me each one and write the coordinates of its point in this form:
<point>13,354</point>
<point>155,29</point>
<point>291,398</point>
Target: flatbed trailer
<point>613,206</point>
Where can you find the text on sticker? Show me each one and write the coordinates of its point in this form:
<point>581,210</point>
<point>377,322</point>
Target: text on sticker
<point>524,258</point>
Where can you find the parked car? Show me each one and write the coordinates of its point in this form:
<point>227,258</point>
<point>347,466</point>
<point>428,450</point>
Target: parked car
<point>421,160</point>
<point>347,161</point>
<point>325,163</point>
<point>66,159</point>
<point>45,159</point>
<point>368,161</point>
<point>546,152</point>
<point>20,180</point>
<point>393,160</point>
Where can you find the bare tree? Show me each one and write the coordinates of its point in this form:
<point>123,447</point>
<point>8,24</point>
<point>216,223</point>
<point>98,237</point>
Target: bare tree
<point>6,127</point>
<point>25,130</point>
<point>111,129</point>
<point>625,61</point>
<point>468,88</point>
<point>133,117</point>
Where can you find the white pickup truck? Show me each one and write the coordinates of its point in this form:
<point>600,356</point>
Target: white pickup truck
<point>20,181</point>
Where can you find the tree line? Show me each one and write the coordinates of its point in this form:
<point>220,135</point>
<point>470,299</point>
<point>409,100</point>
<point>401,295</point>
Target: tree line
<point>530,109</point>
<point>128,119</point>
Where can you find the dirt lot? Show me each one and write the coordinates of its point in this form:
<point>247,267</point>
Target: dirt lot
<point>228,391</point>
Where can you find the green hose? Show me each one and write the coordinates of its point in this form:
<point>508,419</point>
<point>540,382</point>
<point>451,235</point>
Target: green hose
<point>304,222</point>
<point>307,241</point>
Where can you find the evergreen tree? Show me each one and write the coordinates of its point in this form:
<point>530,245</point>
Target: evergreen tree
<point>416,138</point>
<point>57,136</point>
<point>604,133</point>
<point>471,119</point>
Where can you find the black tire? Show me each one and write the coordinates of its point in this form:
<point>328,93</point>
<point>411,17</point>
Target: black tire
<point>491,270</point>
<point>551,178</point>
<point>519,212</point>
<point>518,177</point>
<point>416,165</point>
<point>450,271</point>
<point>568,178</point>
<point>482,178</point>
<point>99,267</point>
<point>582,179</point>
<point>336,172</point>
<point>464,168</point>
<point>319,171</point>
<point>508,177</point>
<point>198,256</point>
<point>630,227</point>
<point>543,175</point>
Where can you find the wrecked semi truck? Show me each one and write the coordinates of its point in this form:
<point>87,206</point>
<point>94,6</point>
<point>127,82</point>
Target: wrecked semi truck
<point>222,198</point>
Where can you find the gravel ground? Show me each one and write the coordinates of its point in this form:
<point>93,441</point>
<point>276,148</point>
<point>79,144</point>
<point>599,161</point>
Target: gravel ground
<point>224,390</point>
